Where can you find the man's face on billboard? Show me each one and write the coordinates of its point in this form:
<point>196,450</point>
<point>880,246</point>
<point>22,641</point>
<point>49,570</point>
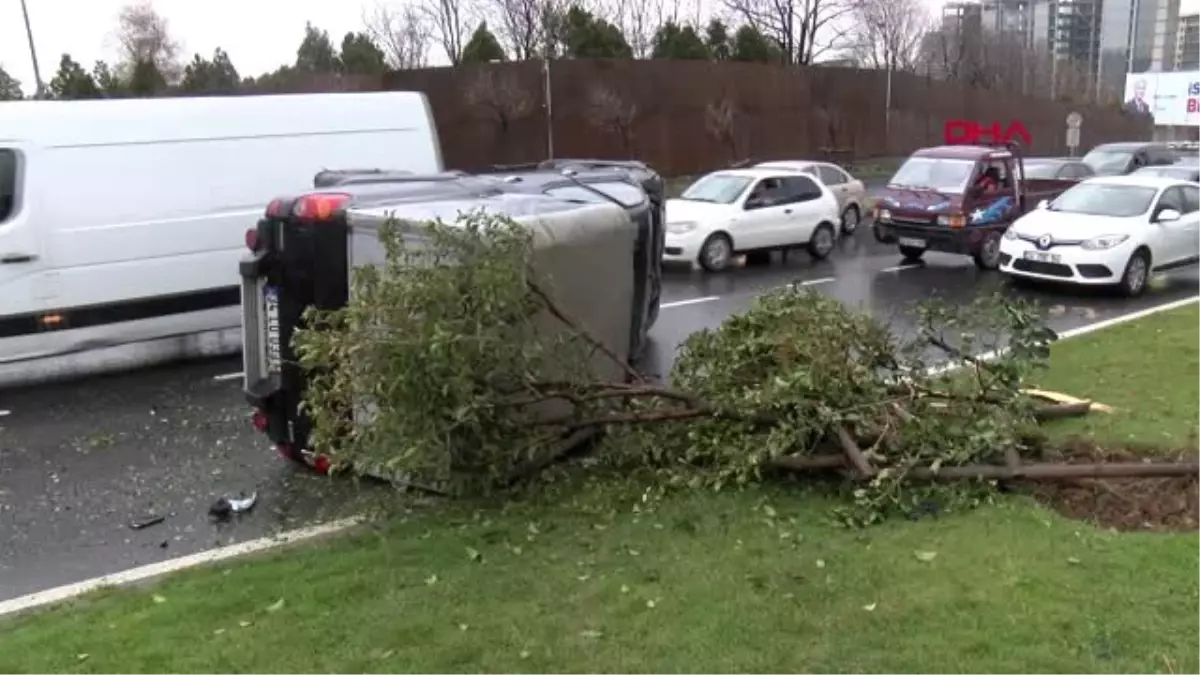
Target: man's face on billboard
<point>1139,89</point>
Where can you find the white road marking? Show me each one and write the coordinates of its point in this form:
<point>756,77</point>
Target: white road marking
<point>814,282</point>
<point>692,301</point>
<point>901,268</point>
<point>227,376</point>
<point>144,572</point>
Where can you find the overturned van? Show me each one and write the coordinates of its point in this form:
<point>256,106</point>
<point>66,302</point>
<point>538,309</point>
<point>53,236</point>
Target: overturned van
<point>305,248</point>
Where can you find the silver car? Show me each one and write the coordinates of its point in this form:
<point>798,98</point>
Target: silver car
<point>850,192</point>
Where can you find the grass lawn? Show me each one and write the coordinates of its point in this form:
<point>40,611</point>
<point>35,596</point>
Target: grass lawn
<point>587,576</point>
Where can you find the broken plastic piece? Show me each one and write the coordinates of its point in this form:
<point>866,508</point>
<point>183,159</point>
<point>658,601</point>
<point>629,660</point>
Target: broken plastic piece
<point>227,505</point>
<point>149,521</point>
<point>1059,397</point>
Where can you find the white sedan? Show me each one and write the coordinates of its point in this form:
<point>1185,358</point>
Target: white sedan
<point>1114,231</point>
<point>728,213</point>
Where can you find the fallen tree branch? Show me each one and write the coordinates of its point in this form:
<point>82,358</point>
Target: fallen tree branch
<point>1061,410</point>
<point>1034,472</point>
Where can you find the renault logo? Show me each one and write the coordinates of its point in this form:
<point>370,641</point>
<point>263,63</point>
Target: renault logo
<point>1044,241</point>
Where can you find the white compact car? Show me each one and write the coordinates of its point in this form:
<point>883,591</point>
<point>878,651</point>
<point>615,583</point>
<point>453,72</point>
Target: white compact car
<point>1113,230</point>
<point>728,213</point>
<point>850,192</point>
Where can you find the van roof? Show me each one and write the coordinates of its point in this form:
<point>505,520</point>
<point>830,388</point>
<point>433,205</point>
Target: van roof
<point>130,121</point>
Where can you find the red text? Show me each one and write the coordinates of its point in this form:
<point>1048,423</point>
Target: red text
<point>966,132</point>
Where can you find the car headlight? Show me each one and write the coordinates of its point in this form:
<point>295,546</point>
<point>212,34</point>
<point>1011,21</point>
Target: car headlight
<point>1105,242</point>
<point>681,228</point>
<point>883,214</point>
<point>1010,233</point>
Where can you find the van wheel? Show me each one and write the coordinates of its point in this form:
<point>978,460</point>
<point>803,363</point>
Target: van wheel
<point>821,243</point>
<point>850,220</point>
<point>716,255</point>
<point>988,255</point>
<point>911,253</point>
<point>1137,272</point>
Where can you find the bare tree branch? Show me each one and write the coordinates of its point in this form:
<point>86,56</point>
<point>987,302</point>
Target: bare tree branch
<point>803,29</point>
<point>522,24</point>
<point>402,34</point>
<point>888,33</point>
<point>451,21</point>
<point>144,38</point>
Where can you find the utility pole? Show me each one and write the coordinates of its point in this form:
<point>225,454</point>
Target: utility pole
<point>37,73</point>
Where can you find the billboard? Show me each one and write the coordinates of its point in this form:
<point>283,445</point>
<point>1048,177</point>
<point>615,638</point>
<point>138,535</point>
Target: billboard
<point>1173,99</point>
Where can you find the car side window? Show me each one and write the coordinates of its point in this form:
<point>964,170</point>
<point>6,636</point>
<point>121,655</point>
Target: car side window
<point>1172,198</point>
<point>8,183</point>
<point>831,175</point>
<point>1191,198</point>
<point>766,192</point>
<point>1070,171</point>
<point>802,189</point>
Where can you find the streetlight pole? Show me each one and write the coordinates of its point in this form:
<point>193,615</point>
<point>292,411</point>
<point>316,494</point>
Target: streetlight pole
<point>37,73</point>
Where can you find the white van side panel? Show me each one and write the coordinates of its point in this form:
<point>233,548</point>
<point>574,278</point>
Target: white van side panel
<point>147,199</point>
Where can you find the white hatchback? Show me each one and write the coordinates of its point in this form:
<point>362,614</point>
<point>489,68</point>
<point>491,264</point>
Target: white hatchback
<point>728,213</point>
<point>1113,230</point>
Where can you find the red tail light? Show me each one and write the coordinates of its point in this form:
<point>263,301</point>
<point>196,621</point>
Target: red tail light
<point>252,239</point>
<point>259,420</point>
<point>319,206</point>
<point>275,208</point>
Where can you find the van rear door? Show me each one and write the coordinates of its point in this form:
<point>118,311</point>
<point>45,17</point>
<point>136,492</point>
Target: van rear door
<point>22,291</point>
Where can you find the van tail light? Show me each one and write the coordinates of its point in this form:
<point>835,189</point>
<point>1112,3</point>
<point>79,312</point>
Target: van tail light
<point>320,206</point>
<point>275,208</point>
<point>252,239</point>
<point>259,420</point>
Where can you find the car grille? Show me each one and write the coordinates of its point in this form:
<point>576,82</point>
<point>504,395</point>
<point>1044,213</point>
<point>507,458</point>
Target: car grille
<point>1037,267</point>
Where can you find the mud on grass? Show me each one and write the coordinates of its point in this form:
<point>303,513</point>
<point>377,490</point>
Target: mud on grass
<point>1125,504</point>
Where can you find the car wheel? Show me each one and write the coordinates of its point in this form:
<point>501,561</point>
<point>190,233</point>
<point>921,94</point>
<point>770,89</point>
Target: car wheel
<point>717,253</point>
<point>1137,273</point>
<point>822,241</point>
<point>850,220</point>
<point>911,254</point>
<point>988,255</point>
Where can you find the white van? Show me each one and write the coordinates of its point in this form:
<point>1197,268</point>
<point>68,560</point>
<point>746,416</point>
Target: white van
<point>122,221</point>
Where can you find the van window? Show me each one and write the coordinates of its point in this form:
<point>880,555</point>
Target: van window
<point>8,184</point>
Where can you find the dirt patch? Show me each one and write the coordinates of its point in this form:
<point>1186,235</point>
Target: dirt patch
<point>1126,504</point>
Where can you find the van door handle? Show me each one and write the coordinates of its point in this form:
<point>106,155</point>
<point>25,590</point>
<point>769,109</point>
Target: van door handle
<point>787,211</point>
<point>14,258</point>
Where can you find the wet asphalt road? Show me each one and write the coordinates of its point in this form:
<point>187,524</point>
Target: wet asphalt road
<point>79,461</point>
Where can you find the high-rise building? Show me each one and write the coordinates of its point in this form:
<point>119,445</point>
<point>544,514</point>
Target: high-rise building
<point>1187,43</point>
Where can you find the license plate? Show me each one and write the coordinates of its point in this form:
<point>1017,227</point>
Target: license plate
<point>271,310</point>
<point>1039,256</point>
<point>914,243</point>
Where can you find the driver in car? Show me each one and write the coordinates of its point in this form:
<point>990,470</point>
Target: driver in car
<point>989,181</point>
<point>765,193</point>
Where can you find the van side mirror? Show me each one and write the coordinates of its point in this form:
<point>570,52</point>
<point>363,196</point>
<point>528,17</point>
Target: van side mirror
<point>1044,204</point>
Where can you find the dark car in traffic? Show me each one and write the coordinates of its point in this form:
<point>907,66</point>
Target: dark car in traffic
<point>1056,168</point>
<point>1118,159</point>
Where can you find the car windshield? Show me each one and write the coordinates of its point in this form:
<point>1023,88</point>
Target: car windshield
<point>1177,172</point>
<point>716,188</point>
<point>934,173</point>
<point>1108,162</point>
<point>1105,199</point>
<point>1041,169</point>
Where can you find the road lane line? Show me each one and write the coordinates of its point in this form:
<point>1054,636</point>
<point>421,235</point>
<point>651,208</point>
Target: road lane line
<point>227,376</point>
<point>144,572</point>
<point>813,282</point>
<point>692,301</point>
<point>901,268</point>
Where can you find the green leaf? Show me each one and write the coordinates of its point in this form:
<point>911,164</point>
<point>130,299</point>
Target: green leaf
<point>474,555</point>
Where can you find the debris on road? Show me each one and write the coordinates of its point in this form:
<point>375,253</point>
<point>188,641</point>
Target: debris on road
<point>226,506</point>
<point>149,521</point>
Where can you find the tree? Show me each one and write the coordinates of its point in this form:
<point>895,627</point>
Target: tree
<point>72,81</point>
<point>751,45</point>
<point>403,36</point>
<point>801,28</point>
<point>316,53</point>
<point>145,79</point>
<point>638,21</point>
<point>10,87</point>
<point>107,81</point>
<point>217,76</point>
<point>716,38</point>
<point>451,21</point>
<point>586,37</point>
<point>672,41</point>
<point>611,112</point>
<point>524,25</point>
<point>144,39</point>
<point>888,33</point>
<point>361,56</point>
<point>483,47</point>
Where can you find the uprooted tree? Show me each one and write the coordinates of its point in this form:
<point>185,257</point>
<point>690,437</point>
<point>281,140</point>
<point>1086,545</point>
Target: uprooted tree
<point>453,367</point>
